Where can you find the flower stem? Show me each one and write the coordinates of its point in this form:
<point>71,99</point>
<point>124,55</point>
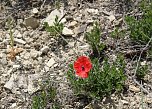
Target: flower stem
<point>11,33</point>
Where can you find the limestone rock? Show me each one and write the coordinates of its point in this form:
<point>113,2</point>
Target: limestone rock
<point>51,62</point>
<point>16,66</point>
<point>80,29</point>
<point>19,41</point>
<point>72,24</point>
<point>92,11</point>
<point>67,32</point>
<point>124,102</point>
<point>133,88</point>
<point>19,35</point>
<point>32,22</point>
<point>33,86</point>
<point>34,54</point>
<point>111,18</point>
<point>51,18</point>
<point>45,50</point>
<point>10,84</point>
<point>35,11</point>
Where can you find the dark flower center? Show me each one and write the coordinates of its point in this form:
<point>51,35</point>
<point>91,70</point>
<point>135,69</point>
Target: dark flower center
<point>83,69</point>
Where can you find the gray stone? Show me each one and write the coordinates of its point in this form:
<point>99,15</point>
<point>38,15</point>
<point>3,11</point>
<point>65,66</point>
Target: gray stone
<point>149,98</point>
<point>7,36</point>
<point>90,21</point>
<point>27,46</point>
<point>10,84</point>
<point>63,20</point>
<point>27,55</point>
<point>1,39</point>
<point>16,66</point>
<point>51,62</point>
<point>34,54</point>
<point>35,11</point>
<point>133,88</point>
<point>40,59</point>
<point>80,29</point>
<point>67,32</point>
<point>26,34</point>
<point>33,86</point>
<point>22,81</point>
<point>19,41</point>
<point>78,19</point>
<point>45,50</point>
<point>29,40</point>
<point>46,68</point>
<point>143,63</point>
<point>27,62</point>
<point>124,102</point>
<point>3,61</point>
<point>32,22</point>
<point>111,18</point>
<point>72,24</point>
<point>13,105</point>
<point>51,18</point>
<point>71,43</point>
<point>92,11</point>
<point>56,64</point>
<point>2,54</point>
<point>19,35</point>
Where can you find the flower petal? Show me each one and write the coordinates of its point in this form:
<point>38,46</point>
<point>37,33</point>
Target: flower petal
<point>82,66</point>
<point>82,74</point>
<point>77,66</point>
<point>88,67</point>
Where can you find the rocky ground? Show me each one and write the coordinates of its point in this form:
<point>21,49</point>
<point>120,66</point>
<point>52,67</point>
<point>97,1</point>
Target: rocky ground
<point>42,57</point>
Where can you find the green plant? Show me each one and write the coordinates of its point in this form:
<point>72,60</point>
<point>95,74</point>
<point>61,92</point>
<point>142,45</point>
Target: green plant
<point>12,51</point>
<point>10,23</point>
<point>140,28</point>
<point>117,33</point>
<point>45,96</point>
<point>142,71</point>
<point>58,4</point>
<point>150,53</point>
<point>93,38</point>
<point>102,81</point>
<point>56,29</point>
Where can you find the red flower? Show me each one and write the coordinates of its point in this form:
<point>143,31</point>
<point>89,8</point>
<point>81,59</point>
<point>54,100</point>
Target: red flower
<point>82,66</point>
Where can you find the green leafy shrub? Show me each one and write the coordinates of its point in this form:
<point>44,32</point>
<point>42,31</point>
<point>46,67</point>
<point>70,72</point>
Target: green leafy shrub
<point>93,38</point>
<point>142,71</point>
<point>44,97</point>
<point>150,53</point>
<point>56,29</point>
<point>117,34</point>
<point>102,81</point>
<point>57,4</point>
<point>141,28</point>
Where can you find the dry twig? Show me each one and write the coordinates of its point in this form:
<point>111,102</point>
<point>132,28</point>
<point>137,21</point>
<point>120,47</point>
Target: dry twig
<point>134,79</point>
